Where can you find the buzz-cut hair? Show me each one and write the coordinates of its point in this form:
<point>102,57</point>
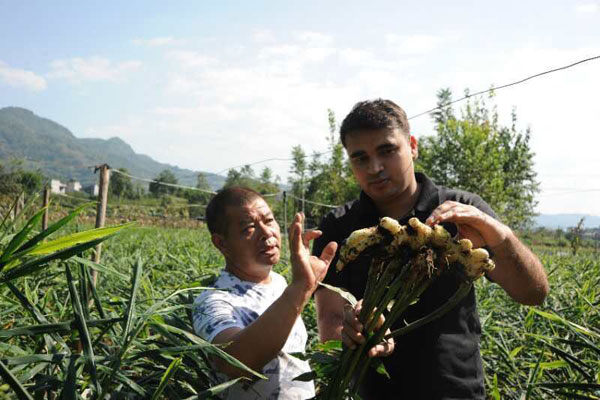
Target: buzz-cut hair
<point>233,196</point>
<point>373,115</point>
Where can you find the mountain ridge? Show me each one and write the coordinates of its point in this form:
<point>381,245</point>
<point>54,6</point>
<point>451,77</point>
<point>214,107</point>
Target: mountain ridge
<point>44,145</point>
<point>566,220</point>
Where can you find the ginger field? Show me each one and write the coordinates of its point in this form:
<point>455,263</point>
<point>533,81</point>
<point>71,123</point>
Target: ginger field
<point>130,336</point>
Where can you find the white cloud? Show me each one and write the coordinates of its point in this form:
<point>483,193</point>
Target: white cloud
<point>21,78</point>
<point>221,108</point>
<point>263,36</point>
<point>412,44</point>
<point>258,103</point>
<point>78,70</point>
<point>588,8</point>
<point>158,41</point>
<point>191,59</point>
<point>314,39</point>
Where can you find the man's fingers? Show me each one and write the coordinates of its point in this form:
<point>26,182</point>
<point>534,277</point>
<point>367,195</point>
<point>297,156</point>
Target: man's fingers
<point>443,212</point>
<point>307,236</point>
<point>296,233</point>
<point>352,326</point>
<point>352,337</point>
<point>328,252</point>
<point>382,349</point>
<point>380,321</point>
<point>358,307</point>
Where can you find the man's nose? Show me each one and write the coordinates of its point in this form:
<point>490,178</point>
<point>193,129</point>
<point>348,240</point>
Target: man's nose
<point>375,166</point>
<point>265,231</point>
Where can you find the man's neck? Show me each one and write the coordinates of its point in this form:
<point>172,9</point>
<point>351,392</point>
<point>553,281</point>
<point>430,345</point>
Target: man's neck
<point>402,204</point>
<point>258,275</point>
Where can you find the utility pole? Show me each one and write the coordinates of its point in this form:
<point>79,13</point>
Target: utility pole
<point>302,180</point>
<point>45,205</point>
<point>100,210</point>
<point>285,227</point>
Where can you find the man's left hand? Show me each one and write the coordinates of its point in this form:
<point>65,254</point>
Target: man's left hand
<point>473,224</point>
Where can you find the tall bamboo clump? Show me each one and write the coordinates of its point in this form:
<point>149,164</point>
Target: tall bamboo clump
<point>405,261</point>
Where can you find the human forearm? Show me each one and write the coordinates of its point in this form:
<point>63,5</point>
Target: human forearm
<point>330,314</point>
<point>261,341</point>
<point>519,271</point>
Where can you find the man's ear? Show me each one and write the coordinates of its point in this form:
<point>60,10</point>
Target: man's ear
<point>414,147</point>
<point>219,242</point>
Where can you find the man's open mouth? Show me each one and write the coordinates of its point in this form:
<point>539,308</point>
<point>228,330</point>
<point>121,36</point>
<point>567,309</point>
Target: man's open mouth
<point>378,181</point>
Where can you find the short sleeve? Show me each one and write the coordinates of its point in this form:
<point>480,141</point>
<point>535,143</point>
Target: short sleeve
<point>213,314</point>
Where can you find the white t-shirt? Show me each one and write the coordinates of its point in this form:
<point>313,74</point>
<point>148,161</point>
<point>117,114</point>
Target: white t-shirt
<point>238,304</point>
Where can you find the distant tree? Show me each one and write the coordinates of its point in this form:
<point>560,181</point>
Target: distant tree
<point>574,236</point>
<point>327,179</point>
<point>196,198</point>
<point>244,177</point>
<point>333,181</point>
<point>202,182</point>
<point>264,184</point>
<point>121,185</point>
<point>267,184</point>
<point>298,172</point>
<point>477,154</point>
<point>266,176</point>
<point>164,176</point>
<point>14,179</point>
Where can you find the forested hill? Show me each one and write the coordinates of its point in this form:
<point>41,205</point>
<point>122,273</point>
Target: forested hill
<point>57,153</point>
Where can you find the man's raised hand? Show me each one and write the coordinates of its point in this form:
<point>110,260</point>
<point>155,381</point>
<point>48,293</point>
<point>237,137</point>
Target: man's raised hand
<point>307,269</point>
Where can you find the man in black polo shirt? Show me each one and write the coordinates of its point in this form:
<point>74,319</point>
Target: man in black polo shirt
<point>440,360</point>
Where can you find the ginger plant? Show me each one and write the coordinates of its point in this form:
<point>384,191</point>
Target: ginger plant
<point>405,261</point>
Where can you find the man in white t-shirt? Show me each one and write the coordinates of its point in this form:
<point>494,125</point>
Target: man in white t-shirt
<point>255,312</point>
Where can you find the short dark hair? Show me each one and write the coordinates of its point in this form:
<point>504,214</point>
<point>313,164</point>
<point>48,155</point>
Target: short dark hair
<point>233,196</point>
<point>374,114</point>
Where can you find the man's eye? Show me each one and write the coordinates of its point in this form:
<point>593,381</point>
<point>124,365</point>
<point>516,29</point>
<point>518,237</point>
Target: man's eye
<point>387,151</point>
<point>360,160</point>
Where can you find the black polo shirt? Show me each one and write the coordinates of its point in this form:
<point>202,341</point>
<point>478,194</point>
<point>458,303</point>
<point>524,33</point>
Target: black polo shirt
<point>440,360</point>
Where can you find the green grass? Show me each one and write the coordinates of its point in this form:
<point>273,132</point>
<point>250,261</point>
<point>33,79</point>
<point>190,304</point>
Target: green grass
<point>130,336</point>
<point>543,352</point>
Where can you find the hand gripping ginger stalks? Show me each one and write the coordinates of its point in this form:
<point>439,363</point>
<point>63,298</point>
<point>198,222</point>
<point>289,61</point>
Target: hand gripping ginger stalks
<point>416,235</point>
<point>404,262</point>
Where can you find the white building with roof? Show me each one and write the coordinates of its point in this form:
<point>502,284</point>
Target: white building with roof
<point>57,186</point>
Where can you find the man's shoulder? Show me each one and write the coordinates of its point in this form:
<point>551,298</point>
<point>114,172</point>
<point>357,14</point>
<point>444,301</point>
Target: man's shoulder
<point>347,211</point>
<point>277,280</point>
<point>462,196</point>
<point>219,289</point>
<point>341,219</point>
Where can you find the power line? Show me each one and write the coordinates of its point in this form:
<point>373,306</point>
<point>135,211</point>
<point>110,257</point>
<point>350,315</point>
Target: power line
<point>571,192</point>
<point>506,85</point>
<point>176,206</point>
<point>179,186</point>
<point>441,106</point>
<point>562,189</point>
<point>162,183</point>
<point>312,202</point>
<point>273,159</point>
<point>74,197</point>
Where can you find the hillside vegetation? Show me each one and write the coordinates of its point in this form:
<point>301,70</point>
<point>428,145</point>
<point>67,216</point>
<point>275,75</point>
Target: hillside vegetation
<point>57,153</point>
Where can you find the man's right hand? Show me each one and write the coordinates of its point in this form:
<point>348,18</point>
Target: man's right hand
<point>352,332</point>
<point>307,270</point>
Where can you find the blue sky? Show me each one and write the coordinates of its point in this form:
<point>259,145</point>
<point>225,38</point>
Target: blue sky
<point>211,85</point>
